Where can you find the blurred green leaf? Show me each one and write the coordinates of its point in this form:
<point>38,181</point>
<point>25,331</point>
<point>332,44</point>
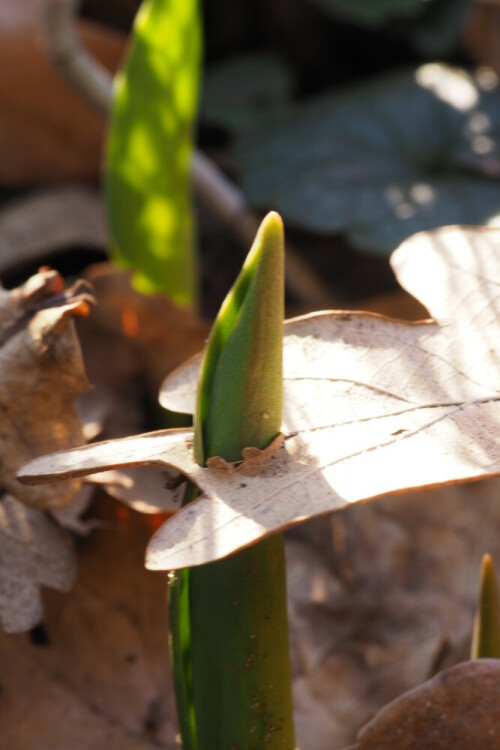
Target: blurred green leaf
<point>407,152</point>
<point>244,91</point>
<point>150,147</point>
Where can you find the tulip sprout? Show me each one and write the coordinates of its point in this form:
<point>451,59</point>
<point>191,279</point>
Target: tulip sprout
<point>228,618</point>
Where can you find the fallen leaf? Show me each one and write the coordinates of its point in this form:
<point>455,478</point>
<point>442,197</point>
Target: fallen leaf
<point>146,489</point>
<point>381,597</point>
<point>41,373</point>
<point>458,708</point>
<point>148,334</point>
<point>100,677</point>
<point>48,222</point>
<point>34,552</point>
<point>48,133</point>
<point>372,406</point>
<point>70,518</point>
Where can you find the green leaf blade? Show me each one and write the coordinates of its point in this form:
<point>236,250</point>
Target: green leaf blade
<point>486,637</point>
<point>150,147</point>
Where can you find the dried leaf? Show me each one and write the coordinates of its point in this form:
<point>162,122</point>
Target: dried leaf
<point>41,373</point>
<point>50,221</point>
<point>382,596</point>
<point>70,516</point>
<point>372,406</point>
<point>146,489</point>
<point>147,335</point>
<point>101,680</point>
<point>34,552</point>
<point>458,708</point>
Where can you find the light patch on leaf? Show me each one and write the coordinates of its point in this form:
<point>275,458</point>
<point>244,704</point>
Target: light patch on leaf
<point>372,406</point>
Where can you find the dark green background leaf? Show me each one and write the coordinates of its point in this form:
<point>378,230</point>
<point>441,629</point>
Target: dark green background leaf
<point>411,151</point>
<point>373,12</point>
<point>150,147</point>
<point>240,93</point>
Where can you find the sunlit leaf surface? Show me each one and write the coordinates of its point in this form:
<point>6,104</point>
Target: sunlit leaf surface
<point>150,147</point>
<point>372,406</point>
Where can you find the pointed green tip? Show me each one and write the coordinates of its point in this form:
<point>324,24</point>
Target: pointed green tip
<point>486,637</point>
<point>269,242</point>
<point>487,567</point>
<point>272,223</point>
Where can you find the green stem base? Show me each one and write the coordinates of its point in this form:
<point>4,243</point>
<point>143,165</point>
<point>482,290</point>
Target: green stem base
<point>240,651</point>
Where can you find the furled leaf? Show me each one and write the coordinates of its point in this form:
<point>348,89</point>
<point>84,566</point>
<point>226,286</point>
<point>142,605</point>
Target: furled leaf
<point>150,146</point>
<point>34,552</point>
<point>458,708</point>
<point>486,635</point>
<point>407,152</point>
<point>372,406</point>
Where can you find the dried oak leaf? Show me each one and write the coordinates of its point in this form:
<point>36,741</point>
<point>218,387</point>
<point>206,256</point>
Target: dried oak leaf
<point>102,680</point>
<point>34,552</point>
<point>460,708</point>
<point>41,373</point>
<point>372,406</point>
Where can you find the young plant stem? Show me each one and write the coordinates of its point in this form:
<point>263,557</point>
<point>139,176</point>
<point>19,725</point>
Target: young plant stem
<point>486,636</point>
<point>241,680</point>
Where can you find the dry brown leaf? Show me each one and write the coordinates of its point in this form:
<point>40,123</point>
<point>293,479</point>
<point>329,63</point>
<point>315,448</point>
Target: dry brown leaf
<point>101,679</point>
<point>50,221</point>
<point>41,373</point>
<point>146,489</point>
<point>157,334</point>
<point>381,596</point>
<point>34,552</point>
<point>372,406</point>
<point>460,708</point>
<point>48,133</point>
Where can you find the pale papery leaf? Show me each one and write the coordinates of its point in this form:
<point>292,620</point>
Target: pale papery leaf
<point>34,552</point>
<point>146,489</point>
<point>41,373</point>
<point>138,470</point>
<point>372,406</point>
